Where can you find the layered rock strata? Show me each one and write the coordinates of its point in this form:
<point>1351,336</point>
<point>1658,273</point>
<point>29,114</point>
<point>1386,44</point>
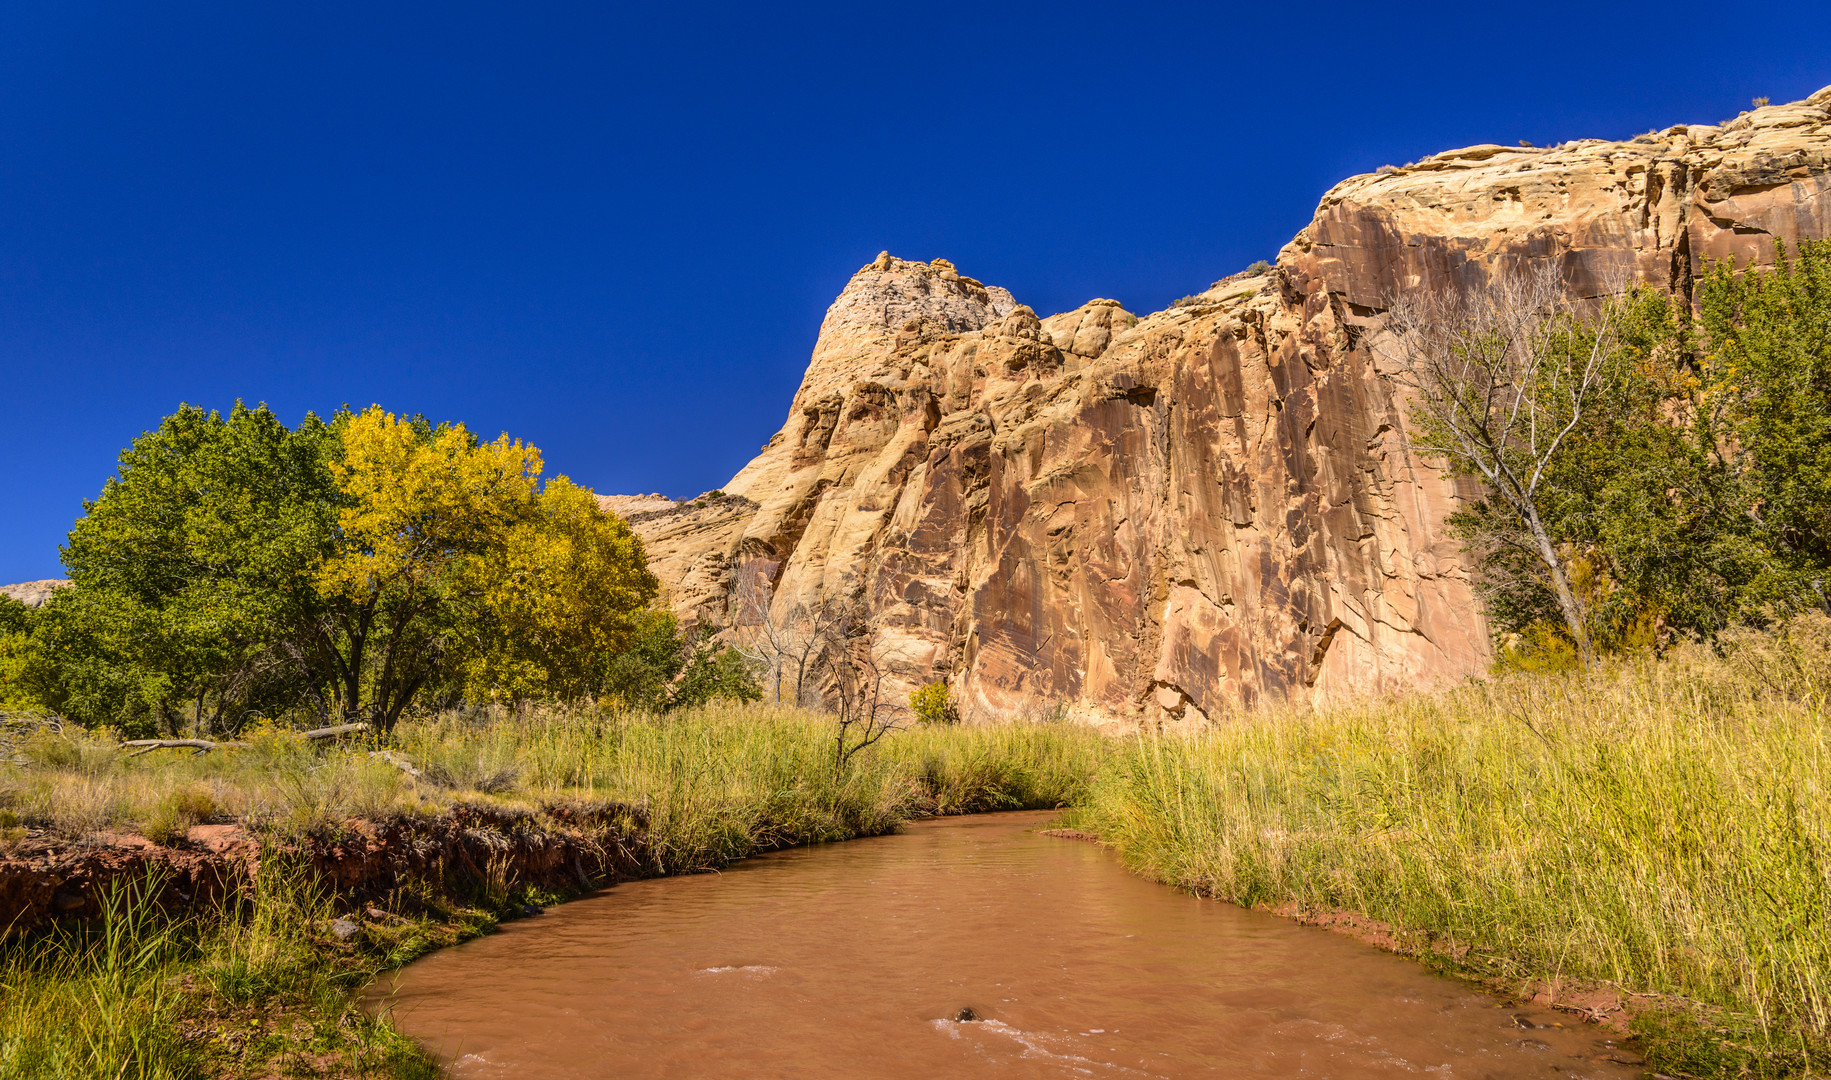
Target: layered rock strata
<point>1165,518</point>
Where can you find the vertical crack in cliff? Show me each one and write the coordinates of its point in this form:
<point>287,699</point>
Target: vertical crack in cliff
<point>1156,412</point>
<point>1681,282</point>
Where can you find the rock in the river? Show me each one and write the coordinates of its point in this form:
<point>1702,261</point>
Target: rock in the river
<point>1162,518</point>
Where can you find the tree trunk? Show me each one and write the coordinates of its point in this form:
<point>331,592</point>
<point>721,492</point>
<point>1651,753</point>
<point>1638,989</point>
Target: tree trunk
<point>1560,585</point>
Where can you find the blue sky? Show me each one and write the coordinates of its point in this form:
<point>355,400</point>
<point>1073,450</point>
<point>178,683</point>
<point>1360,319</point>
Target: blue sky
<point>612,230</point>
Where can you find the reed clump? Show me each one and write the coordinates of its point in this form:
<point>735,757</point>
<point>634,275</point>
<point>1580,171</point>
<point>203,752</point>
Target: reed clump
<point>718,783</point>
<point>1660,825</point>
<point>244,990</point>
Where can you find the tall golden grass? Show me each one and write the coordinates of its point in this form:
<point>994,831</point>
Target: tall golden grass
<point>718,783</point>
<point>1663,825</point>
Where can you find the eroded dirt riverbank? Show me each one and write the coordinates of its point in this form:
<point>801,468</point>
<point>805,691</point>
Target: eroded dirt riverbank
<point>856,960</point>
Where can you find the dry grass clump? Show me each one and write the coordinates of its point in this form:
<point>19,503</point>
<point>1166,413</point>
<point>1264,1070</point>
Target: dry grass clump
<point>76,784</point>
<point>1663,825</point>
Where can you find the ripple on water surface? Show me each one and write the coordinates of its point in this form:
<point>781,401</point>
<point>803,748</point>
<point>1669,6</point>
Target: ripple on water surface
<point>860,959</point>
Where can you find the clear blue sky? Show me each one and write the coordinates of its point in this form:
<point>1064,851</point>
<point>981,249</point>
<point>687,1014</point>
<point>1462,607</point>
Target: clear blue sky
<point>612,230</point>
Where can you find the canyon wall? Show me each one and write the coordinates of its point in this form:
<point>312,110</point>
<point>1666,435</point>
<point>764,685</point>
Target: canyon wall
<point>1159,519</point>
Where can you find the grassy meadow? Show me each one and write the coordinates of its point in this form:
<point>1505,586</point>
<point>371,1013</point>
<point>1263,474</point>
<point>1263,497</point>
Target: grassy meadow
<point>717,783</point>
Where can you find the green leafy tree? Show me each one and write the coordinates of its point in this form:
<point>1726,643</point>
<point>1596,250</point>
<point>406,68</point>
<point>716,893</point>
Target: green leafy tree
<point>27,677</point>
<point>190,567</point>
<point>1767,360</point>
<point>662,669</point>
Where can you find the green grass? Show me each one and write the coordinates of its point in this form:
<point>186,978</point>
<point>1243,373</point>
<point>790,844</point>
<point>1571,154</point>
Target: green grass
<point>260,988</point>
<point>1664,826</point>
<point>244,991</point>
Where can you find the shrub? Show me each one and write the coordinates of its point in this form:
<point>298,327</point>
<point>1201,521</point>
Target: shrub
<point>665,668</point>
<point>173,817</point>
<point>933,705</point>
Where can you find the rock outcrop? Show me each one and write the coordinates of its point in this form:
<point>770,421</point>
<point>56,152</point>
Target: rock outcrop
<point>1161,519</point>
<point>33,593</point>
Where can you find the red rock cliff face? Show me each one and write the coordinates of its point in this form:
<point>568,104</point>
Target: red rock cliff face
<point>1162,519</point>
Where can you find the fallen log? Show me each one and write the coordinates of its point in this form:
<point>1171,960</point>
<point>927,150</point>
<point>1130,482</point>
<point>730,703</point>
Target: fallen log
<point>202,746</point>
<point>337,729</point>
<point>398,762</point>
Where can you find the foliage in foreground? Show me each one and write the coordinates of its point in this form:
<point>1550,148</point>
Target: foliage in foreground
<point>249,990</point>
<point>138,997</point>
<point>1659,825</point>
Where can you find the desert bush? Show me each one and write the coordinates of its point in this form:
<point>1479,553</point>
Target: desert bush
<point>932,704</point>
<point>174,815</point>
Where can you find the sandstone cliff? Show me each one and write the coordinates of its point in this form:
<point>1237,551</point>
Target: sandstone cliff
<point>1158,519</point>
<point>33,593</point>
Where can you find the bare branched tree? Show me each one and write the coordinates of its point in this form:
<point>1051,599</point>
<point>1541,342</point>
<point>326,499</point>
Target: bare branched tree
<point>1501,376</point>
<point>787,644</point>
<point>767,641</point>
<point>853,672</point>
<point>821,654</point>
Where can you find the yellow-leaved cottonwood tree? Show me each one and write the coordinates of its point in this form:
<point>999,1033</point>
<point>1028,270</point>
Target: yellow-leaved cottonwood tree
<point>453,559</point>
<point>422,508</point>
<point>565,589</point>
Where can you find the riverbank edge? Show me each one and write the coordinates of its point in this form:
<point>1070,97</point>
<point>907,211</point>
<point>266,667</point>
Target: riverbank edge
<point>1670,1036</point>
<point>386,892</point>
<point>357,862</point>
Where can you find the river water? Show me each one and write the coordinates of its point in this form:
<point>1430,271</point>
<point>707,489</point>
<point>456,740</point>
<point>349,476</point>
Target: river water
<point>853,960</point>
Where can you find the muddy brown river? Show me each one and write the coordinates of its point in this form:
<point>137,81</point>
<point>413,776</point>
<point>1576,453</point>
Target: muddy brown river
<point>853,960</point>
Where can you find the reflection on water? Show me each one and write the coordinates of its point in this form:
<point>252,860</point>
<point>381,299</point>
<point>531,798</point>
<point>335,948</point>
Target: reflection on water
<point>854,960</point>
